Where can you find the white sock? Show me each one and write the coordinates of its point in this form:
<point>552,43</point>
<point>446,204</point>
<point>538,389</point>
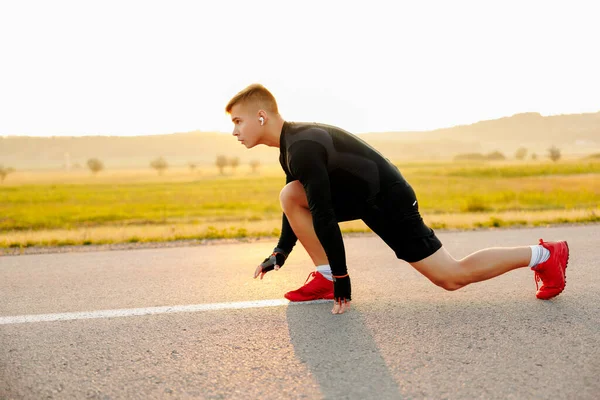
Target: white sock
<point>325,270</point>
<point>539,254</point>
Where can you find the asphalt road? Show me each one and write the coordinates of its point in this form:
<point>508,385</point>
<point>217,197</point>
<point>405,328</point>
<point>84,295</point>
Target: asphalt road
<point>404,337</point>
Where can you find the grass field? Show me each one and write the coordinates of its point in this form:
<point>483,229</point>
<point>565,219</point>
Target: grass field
<point>42,208</point>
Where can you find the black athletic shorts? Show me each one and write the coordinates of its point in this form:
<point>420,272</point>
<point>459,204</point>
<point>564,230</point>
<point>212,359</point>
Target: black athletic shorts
<point>395,218</point>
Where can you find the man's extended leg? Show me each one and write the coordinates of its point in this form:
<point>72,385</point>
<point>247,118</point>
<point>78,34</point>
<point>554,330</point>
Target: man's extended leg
<point>443,270</point>
<point>398,222</point>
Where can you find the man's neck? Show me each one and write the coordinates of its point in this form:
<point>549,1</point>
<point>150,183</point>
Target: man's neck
<point>273,133</point>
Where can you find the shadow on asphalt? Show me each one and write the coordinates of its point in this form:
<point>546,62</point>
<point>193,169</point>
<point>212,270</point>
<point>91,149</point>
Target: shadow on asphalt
<point>340,353</point>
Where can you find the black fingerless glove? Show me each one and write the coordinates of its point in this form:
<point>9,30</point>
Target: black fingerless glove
<point>277,258</point>
<point>341,288</point>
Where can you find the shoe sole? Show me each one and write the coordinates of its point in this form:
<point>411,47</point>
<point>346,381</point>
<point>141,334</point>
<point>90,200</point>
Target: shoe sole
<point>565,275</point>
<point>319,298</point>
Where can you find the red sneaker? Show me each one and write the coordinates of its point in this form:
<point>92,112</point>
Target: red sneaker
<point>552,273</point>
<point>318,288</point>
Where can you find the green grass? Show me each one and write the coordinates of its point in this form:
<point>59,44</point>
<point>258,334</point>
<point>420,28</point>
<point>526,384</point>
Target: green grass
<point>68,206</point>
<point>439,194</point>
<point>441,188</point>
<point>503,169</point>
<point>518,171</point>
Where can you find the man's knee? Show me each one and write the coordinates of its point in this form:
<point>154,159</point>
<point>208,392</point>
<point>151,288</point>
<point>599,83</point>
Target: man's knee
<point>450,282</point>
<point>292,195</point>
<point>443,270</point>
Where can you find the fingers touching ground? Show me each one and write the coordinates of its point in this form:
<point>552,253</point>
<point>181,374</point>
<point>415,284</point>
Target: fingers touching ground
<point>259,271</point>
<point>340,306</point>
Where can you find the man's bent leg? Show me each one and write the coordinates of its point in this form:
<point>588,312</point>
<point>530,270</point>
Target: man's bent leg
<point>295,206</point>
<point>443,270</point>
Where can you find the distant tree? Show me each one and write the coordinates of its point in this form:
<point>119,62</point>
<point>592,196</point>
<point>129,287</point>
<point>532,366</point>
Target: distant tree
<point>95,165</point>
<point>160,165</point>
<point>495,156</point>
<point>192,166</point>
<point>521,153</point>
<point>254,164</point>
<point>4,172</point>
<point>534,156</point>
<point>234,162</point>
<point>554,153</point>
<point>221,163</point>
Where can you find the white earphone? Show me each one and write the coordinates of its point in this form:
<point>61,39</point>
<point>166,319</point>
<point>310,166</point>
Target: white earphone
<point>262,120</point>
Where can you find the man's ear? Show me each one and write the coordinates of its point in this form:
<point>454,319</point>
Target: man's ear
<point>262,114</point>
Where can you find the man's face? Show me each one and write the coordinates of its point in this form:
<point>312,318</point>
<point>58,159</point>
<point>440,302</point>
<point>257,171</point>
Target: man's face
<point>246,126</point>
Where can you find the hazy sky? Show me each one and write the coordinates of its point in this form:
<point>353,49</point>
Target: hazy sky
<point>148,67</point>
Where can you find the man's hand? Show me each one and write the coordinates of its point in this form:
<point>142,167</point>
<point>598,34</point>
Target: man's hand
<point>273,262</point>
<point>260,272</point>
<point>342,291</point>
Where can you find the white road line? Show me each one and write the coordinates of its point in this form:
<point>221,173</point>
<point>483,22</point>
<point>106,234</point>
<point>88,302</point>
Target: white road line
<point>131,312</point>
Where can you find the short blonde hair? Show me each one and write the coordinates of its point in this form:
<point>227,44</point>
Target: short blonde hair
<point>255,93</point>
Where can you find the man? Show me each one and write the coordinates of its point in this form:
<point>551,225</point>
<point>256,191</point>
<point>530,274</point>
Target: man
<point>333,176</point>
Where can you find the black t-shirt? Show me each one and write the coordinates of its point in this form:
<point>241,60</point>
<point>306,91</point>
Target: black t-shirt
<point>342,176</point>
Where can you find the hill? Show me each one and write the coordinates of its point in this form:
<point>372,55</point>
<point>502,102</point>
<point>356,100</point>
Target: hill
<point>574,134</point>
<point>125,152</point>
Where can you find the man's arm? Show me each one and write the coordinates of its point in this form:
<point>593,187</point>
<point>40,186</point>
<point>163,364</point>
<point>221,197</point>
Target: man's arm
<point>308,162</point>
